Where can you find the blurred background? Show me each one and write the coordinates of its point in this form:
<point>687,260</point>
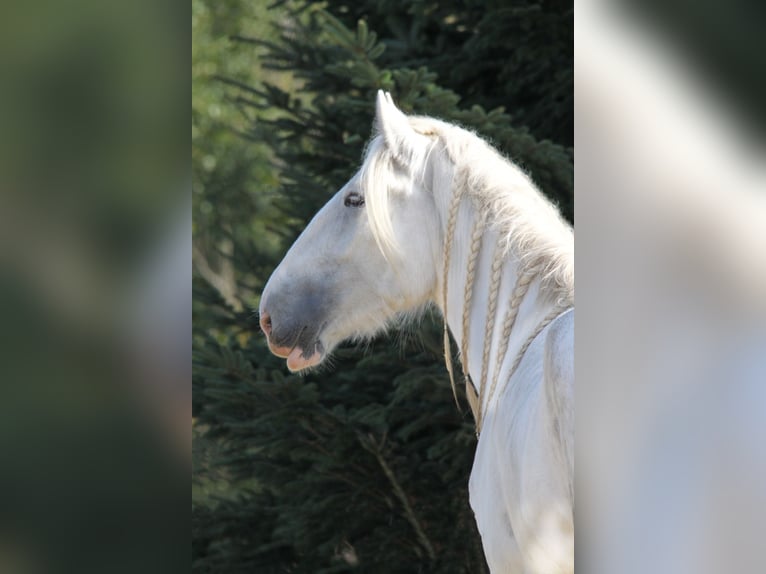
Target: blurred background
<point>671,287</point>
<point>363,465</point>
<point>95,286</point>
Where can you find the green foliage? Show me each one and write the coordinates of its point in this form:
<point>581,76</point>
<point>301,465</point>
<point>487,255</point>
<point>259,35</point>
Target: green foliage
<point>494,53</point>
<point>364,464</point>
<point>231,180</point>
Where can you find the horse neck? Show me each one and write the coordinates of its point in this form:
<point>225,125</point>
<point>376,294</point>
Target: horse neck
<point>481,354</point>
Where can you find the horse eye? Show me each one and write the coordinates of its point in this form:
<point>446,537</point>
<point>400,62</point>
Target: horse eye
<point>353,199</point>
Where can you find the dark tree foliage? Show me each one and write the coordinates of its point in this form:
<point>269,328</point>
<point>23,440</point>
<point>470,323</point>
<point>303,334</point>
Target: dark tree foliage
<point>364,464</point>
<point>494,53</point>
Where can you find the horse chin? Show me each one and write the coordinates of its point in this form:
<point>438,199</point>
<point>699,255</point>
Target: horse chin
<point>299,359</point>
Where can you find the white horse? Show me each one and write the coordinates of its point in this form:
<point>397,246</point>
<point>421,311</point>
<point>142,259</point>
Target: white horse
<point>436,216</point>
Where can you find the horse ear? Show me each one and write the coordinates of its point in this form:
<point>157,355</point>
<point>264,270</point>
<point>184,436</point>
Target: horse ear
<point>394,126</point>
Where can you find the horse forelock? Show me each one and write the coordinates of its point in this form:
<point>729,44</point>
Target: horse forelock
<point>383,173</point>
<point>375,176</point>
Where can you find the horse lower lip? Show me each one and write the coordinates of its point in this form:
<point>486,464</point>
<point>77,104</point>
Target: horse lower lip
<point>297,362</point>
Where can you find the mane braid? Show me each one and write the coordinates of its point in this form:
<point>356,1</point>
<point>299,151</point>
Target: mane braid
<point>552,314</point>
<point>494,290</point>
<point>451,222</point>
<point>519,291</point>
<point>476,237</point>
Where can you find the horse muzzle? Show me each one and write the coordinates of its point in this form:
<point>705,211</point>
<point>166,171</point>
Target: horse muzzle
<point>292,320</point>
<point>299,356</point>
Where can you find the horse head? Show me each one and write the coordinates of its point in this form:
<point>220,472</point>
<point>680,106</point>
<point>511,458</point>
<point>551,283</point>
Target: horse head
<point>368,256</point>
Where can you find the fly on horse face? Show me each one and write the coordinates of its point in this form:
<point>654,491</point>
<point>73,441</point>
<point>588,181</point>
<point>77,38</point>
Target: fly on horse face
<point>436,216</point>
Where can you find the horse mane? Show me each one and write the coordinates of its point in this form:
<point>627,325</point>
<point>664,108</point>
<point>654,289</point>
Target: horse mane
<point>529,225</point>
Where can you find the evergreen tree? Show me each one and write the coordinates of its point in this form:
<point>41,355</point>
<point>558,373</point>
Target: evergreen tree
<point>363,465</point>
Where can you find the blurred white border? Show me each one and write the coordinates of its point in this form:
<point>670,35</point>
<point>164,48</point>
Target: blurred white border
<point>671,296</point>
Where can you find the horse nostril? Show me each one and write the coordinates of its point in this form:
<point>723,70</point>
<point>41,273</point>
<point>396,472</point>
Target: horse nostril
<point>266,323</point>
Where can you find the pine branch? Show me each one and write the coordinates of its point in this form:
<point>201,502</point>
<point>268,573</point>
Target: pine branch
<point>372,447</point>
<point>222,282</point>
